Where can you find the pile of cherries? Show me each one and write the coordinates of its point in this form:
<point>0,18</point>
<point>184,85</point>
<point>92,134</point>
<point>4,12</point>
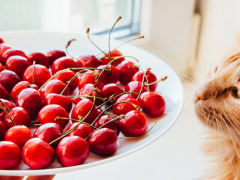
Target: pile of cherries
<point>74,106</point>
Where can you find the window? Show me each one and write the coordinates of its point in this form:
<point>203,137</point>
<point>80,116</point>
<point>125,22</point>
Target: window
<point>71,16</point>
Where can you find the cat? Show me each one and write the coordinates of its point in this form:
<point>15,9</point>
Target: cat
<point>217,105</point>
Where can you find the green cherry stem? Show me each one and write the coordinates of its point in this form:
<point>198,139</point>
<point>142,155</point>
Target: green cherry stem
<point>8,115</point>
<point>102,99</point>
<point>140,92</point>
<point>140,37</point>
<point>160,80</point>
<point>106,112</point>
<point>5,105</point>
<point>67,45</point>
<point>144,75</point>
<point>64,118</point>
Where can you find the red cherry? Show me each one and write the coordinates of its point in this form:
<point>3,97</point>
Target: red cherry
<point>104,119</point>
<point>10,156</point>
<point>107,76</point>
<point>19,87</point>
<point>75,100</point>
<point>31,101</point>
<point>3,93</point>
<point>17,64</point>
<point>63,63</point>
<point>124,108</point>
<point>1,40</point>
<point>50,114</point>
<point>134,124</point>
<point>150,77</point>
<point>126,71</point>
<point>72,151</point>
<point>115,53</point>
<point>2,131</point>
<point>49,132</point>
<point>89,61</point>
<point>39,58</point>
<point>88,79</point>
<point>3,48</point>
<point>41,74</point>
<point>53,55</point>
<point>103,142</point>
<point>110,89</point>
<point>153,104</point>
<point>135,86</point>
<point>19,135</point>
<point>82,130</point>
<point>9,104</point>
<point>38,154</point>
<point>11,52</point>
<point>1,67</point>
<point>9,79</point>
<point>67,76</point>
<point>20,117</point>
<point>54,86</point>
<point>88,90</point>
<point>61,100</point>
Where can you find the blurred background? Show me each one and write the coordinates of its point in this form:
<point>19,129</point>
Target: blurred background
<point>187,34</point>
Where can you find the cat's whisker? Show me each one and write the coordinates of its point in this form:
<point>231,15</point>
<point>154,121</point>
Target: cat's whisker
<point>219,143</point>
<point>187,78</point>
<point>187,83</point>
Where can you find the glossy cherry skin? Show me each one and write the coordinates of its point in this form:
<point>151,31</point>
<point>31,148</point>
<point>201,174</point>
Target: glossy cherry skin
<point>135,86</point>
<point>3,48</point>
<point>107,76</point>
<point>1,67</point>
<point>18,134</point>
<point>75,100</point>
<point>150,77</point>
<point>82,130</point>
<point>38,154</point>
<point>134,124</point>
<point>1,40</point>
<point>17,64</point>
<point>49,132</point>
<point>115,53</point>
<point>124,108</point>
<point>67,76</point>
<point>153,104</point>
<point>89,79</point>
<point>2,131</point>
<point>4,93</point>
<point>54,86</point>
<point>20,117</point>
<point>9,79</point>
<point>88,90</point>
<point>110,89</point>
<point>11,52</point>
<point>41,74</point>
<point>89,61</point>
<point>10,156</point>
<point>126,71</point>
<point>63,63</point>
<point>31,101</point>
<point>103,142</point>
<point>49,114</point>
<point>9,104</point>
<point>61,100</point>
<point>72,151</point>
<point>54,54</point>
<point>104,119</point>
<point>39,58</point>
<point>19,87</point>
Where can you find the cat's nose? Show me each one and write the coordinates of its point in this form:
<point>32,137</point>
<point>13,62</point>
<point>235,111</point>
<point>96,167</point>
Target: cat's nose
<point>199,95</point>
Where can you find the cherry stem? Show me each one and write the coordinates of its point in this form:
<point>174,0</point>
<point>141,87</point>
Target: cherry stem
<point>144,75</point>
<point>160,80</point>
<point>140,135</point>
<point>34,71</point>
<point>140,37</point>
<point>36,125</point>
<point>102,99</point>
<point>64,118</point>
<point>67,45</point>
<point>140,92</point>
<point>5,105</point>
<point>109,113</point>
<point>8,115</point>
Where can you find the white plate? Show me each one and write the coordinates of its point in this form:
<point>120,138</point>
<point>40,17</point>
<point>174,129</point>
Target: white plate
<point>171,89</point>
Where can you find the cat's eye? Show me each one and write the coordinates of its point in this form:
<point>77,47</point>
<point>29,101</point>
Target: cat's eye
<point>237,93</point>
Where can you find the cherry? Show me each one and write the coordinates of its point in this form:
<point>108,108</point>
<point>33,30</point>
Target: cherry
<point>89,78</point>
<point>75,100</point>
<point>153,103</point>
<point>1,67</point>
<point>19,87</point>
<point>72,151</point>
<point>115,53</point>
<point>3,48</point>
<point>41,74</point>
<point>63,63</point>
<point>18,134</point>
<point>135,86</point>
<point>107,76</point>
<point>1,40</point>
<point>89,61</point>
<point>133,124</point>
<point>103,142</point>
<point>9,104</point>
<point>38,154</point>
<point>53,55</point>
<point>39,58</point>
<point>20,117</point>
<point>61,100</point>
<point>112,89</point>
<point>104,119</point>
<point>49,132</point>
<point>17,64</point>
<point>31,101</point>
<point>88,90</point>
<point>2,131</point>
<point>9,79</point>
<point>138,76</point>
<point>126,71</point>
<point>3,93</point>
<point>67,76</point>
<point>82,130</point>
<point>124,108</point>
<point>54,86</point>
<point>50,114</point>
<point>11,52</point>
<point>10,156</point>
